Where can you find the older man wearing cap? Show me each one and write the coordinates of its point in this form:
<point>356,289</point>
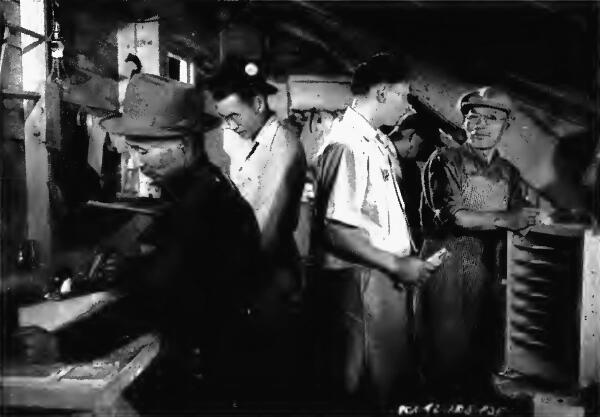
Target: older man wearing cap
<point>195,284</point>
<point>471,196</point>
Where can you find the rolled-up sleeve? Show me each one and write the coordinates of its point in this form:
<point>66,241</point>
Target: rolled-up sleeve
<point>445,180</point>
<point>343,177</point>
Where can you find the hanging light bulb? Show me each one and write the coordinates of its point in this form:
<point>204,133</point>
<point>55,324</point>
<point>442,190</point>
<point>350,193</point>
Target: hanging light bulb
<point>58,73</point>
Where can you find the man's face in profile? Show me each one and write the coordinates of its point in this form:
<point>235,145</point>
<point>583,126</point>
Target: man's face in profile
<point>159,156</point>
<point>396,104</point>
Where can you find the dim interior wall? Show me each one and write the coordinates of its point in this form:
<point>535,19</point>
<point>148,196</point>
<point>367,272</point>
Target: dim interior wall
<point>315,102</point>
<point>147,45</point>
<point>140,39</point>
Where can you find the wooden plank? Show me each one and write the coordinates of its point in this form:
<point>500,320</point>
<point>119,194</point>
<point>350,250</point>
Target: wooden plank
<point>551,405</point>
<point>508,357</point>
<point>567,230</point>
<point>589,358</point>
<point>95,386</point>
<point>4,39</point>
<point>128,207</point>
<point>26,95</point>
<point>131,371</point>
<point>55,315</point>
<point>28,32</point>
<point>3,43</point>
<point>33,19</point>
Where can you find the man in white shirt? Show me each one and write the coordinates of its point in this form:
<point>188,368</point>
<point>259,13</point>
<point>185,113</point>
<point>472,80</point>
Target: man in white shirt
<point>362,241</point>
<point>270,174</point>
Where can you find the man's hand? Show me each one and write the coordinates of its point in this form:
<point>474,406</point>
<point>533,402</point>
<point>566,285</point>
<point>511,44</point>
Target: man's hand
<point>520,219</point>
<point>410,270</point>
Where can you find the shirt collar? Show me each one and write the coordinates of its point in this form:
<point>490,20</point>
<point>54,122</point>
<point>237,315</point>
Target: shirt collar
<point>477,156</point>
<point>360,124</point>
<point>264,134</point>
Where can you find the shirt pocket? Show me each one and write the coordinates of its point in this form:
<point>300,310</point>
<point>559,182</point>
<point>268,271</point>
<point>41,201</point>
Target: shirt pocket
<point>373,205</point>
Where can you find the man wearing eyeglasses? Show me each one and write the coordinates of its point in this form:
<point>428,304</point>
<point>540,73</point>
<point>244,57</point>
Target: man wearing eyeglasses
<point>471,197</point>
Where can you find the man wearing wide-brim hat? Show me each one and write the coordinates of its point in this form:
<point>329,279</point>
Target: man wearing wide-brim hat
<point>159,116</point>
<point>195,284</point>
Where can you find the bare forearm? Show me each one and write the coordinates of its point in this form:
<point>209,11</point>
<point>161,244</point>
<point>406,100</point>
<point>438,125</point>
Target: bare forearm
<point>481,220</point>
<point>353,245</point>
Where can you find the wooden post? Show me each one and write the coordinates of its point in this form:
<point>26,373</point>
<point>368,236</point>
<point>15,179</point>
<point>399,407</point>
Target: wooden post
<point>589,357</point>
<point>34,61</point>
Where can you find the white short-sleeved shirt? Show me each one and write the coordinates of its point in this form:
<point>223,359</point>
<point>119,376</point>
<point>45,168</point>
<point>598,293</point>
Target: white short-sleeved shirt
<point>258,167</point>
<point>365,192</point>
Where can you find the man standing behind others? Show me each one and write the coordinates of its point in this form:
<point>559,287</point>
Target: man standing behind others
<point>270,177</point>
<point>363,243</point>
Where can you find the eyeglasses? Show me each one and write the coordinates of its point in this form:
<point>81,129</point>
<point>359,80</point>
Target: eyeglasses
<point>475,117</point>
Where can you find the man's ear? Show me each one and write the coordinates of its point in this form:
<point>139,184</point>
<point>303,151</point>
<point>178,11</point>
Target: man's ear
<point>259,104</point>
<point>381,94</point>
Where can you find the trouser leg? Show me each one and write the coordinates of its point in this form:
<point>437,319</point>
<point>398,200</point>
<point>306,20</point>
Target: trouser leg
<point>452,303</point>
<point>389,352</point>
<point>341,336</point>
<point>365,336</point>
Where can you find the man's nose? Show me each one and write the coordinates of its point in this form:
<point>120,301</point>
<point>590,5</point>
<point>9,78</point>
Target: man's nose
<point>232,125</point>
<point>481,122</point>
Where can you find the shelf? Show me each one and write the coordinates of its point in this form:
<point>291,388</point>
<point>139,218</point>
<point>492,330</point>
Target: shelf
<point>536,248</point>
<point>17,28</point>
<point>27,95</point>
<point>535,297</point>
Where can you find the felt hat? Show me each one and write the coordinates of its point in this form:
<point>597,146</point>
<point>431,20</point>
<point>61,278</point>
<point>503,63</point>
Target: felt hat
<point>158,107</point>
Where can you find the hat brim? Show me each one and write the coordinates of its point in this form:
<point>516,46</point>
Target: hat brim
<point>483,103</point>
<point>269,88</point>
<point>134,127</point>
<point>218,81</point>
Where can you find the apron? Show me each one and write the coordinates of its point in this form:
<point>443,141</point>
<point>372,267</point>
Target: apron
<point>459,309</point>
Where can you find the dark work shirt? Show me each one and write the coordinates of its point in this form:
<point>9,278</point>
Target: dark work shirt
<point>207,258</point>
<point>410,186</point>
<point>460,179</point>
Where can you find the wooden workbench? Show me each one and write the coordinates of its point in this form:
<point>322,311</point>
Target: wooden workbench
<point>55,315</point>
<point>84,385</point>
<point>95,387</point>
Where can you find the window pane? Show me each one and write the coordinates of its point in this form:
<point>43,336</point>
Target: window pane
<point>174,68</point>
